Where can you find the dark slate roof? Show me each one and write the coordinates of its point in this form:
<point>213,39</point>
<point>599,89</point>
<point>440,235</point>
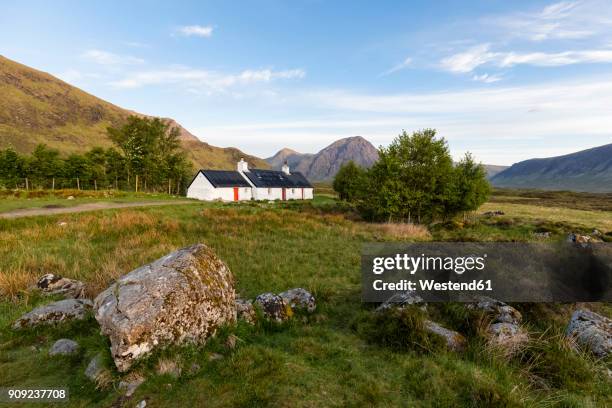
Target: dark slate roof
<point>273,178</point>
<point>224,178</point>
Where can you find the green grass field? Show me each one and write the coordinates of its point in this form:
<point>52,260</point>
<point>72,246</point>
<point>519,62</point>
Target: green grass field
<point>326,359</point>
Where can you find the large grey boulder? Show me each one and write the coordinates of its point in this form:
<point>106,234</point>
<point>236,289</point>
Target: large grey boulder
<point>591,331</point>
<point>299,299</point>
<point>64,347</point>
<point>55,312</point>
<point>183,297</point>
<point>50,284</point>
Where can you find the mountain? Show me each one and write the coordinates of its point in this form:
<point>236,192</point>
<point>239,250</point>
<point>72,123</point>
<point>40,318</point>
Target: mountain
<point>493,169</point>
<point>36,107</point>
<point>587,170</point>
<point>325,164</point>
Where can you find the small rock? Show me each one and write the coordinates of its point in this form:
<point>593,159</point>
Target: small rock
<point>577,238</point>
<point>56,312</point>
<point>542,235</point>
<point>274,307</point>
<point>215,357</point>
<point>401,300</point>
<point>70,198</point>
<point>51,284</point>
<point>141,404</point>
<point>245,311</point>
<point>504,330</point>
<point>64,347</point>
<point>95,368</point>
<point>131,383</point>
<point>454,340</point>
<point>299,299</point>
<point>591,331</point>
<point>62,224</point>
<point>494,213</point>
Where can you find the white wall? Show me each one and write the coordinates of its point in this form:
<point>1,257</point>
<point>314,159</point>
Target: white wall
<point>262,193</point>
<point>202,189</point>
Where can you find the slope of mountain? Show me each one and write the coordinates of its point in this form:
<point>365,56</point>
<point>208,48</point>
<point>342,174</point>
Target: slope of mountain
<point>493,169</point>
<point>587,170</point>
<point>36,107</point>
<point>325,164</point>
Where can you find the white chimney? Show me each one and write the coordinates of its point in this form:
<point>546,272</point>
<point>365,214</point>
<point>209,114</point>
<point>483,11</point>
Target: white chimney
<point>285,168</point>
<point>243,166</point>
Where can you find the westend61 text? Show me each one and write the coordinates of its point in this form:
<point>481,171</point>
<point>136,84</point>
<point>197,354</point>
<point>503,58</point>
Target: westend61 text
<point>431,285</point>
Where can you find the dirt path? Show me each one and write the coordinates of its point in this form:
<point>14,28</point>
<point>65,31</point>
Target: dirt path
<point>102,205</point>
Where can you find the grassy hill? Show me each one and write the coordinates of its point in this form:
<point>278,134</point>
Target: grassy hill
<point>36,107</point>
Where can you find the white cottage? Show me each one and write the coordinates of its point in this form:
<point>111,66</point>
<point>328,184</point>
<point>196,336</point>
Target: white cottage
<point>250,184</point>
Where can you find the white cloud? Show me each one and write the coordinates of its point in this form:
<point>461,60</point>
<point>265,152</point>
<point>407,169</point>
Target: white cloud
<point>486,78</point>
<point>565,20</point>
<point>500,125</point>
<point>468,60</point>
<point>402,65</point>
<point>108,58</point>
<point>474,57</point>
<point>196,80</point>
<point>196,31</point>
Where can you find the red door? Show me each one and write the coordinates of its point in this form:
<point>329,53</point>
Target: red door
<point>284,194</point>
<point>235,193</point>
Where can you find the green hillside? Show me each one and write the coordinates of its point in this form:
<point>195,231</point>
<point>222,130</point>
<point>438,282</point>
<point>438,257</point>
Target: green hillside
<point>36,107</point>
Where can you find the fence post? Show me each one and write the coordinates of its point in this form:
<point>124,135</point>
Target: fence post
<point>137,183</point>
<point>27,184</point>
<point>78,184</point>
<point>53,184</point>
<point>95,185</point>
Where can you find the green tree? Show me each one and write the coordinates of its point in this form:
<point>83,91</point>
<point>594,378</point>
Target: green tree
<point>12,167</point>
<point>96,158</point>
<point>411,181</point>
<point>77,170</point>
<point>349,181</point>
<point>470,186</point>
<point>44,164</point>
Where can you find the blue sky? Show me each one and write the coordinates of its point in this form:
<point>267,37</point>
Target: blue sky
<point>506,80</point>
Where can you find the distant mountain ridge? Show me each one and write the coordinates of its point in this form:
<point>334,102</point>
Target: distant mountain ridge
<point>587,170</point>
<point>36,107</point>
<point>324,165</point>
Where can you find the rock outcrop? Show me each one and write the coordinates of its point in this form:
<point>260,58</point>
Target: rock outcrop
<point>245,311</point>
<point>55,312</point>
<point>591,331</point>
<point>183,297</point>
